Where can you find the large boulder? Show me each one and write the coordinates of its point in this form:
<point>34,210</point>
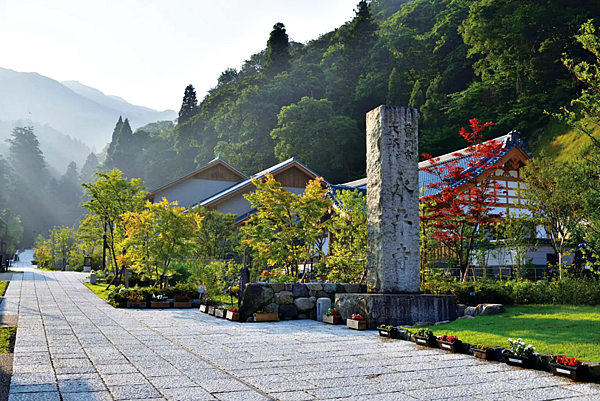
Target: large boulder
<point>470,311</point>
<point>284,297</point>
<point>314,286</point>
<point>331,288</point>
<point>256,296</point>
<point>278,287</point>
<point>299,290</point>
<point>288,311</point>
<point>490,309</point>
<point>305,305</point>
<point>460,309</point>
<point>272,308</point>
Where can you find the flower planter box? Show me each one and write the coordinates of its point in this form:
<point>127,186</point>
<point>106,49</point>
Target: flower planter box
<point>487,354</point>
<point>266,317</point>
<point>576,373</point>
<point>425,341</point>
<point>187,304</point>
<point>137,305</point>
<point>454,347</point>
<point>233,316</point>
<point>211,310</point>
<point>160,305</point>
<point>356,324</point>
<point>204,308</point>
<point>220,313</point>
<point>521,361</point>
<point>332,319</point>
<point>393,333</point>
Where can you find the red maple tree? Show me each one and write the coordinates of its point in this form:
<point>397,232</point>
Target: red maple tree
<point>460,206</point>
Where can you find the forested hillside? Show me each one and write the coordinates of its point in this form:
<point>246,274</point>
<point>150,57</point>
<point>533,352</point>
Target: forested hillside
<point>451,59</point>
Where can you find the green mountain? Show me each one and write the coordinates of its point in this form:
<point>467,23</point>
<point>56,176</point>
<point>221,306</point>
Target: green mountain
<point>454,60</point>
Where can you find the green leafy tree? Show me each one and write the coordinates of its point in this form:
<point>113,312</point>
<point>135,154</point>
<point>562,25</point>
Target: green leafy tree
<point>311,131</point>
<point>285,230</point>
<point>217,234</point>
<point>111,196</point>
<point>14,230</point>
<point>347,259</point>
<point>549,199</point>
<point>156,235</point>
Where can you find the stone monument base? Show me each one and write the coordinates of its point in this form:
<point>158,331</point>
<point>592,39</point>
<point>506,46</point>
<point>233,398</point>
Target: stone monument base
<point>397,309</point>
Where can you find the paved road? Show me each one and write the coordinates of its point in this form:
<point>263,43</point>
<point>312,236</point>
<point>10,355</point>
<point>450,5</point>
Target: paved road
<point>25,259</point>
<point>73,346</point>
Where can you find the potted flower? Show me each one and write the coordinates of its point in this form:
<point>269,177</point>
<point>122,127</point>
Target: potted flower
<point>221,311</point>
<point>266,316</point>
<point>482,352</point>
<point>568,367</point>
<point>332,316</point>
<point>135,301</point>
<point>425,337</point>
<point>233,315</point>
<point>356,322</point>
<point>205,304</point>
<point>159,301</point>
<point>519,354</point>
<point>182,301</point>
<point>450,343</point>
<point>388,331</point>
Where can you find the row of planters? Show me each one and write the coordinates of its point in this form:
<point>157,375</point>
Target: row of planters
<point>158,301</point>
<point>177,296</point>
<point>220,311</point>
<point>518,354</point>
<point>212,308</point>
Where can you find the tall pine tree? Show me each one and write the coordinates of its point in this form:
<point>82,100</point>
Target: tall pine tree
<point>89,168</point>
<point>278,56</point>
<point>189,106</point>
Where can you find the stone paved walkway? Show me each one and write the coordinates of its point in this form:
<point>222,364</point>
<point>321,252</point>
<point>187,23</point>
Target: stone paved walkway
<point>72,346</point>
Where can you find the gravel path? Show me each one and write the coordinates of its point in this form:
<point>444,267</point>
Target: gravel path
<point>73,346</point>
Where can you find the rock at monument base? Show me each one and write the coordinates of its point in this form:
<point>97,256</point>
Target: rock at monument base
<point>255,297</point>
<point>489,309</point>
<point>470,311</point>
<point>460,309</point>
<point>397,309</point>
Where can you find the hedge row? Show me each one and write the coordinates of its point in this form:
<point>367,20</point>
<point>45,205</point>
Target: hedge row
<point>562,292</point>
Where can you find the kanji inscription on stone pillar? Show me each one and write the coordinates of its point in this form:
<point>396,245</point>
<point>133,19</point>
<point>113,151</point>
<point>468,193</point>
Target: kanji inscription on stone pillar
<point>392,201</point>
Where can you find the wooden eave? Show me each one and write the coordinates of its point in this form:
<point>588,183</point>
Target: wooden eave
<point>198,171</point>
<point>249,184</point>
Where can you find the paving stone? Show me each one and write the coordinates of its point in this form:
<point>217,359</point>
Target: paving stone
<point>87,396</point>
<point>54,396</point>
<point>164,382</point>
<point>133,391</point>
<point>242,396</point>
<point>187,394</point>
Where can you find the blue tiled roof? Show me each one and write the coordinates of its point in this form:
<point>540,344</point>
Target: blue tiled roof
<point>426,179</point>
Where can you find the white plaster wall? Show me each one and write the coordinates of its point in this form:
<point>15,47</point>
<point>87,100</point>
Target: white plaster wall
<point>192,190</point>
<point>502,256</point>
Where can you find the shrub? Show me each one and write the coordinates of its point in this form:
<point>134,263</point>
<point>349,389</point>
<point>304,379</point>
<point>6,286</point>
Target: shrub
<point>568,291</point>
<point>119,294</point>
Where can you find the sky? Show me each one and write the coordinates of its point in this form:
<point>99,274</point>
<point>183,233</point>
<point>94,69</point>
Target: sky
<point>148,51</point>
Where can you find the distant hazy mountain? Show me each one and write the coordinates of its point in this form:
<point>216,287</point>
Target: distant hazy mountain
<point>72,108</point>
<point>59,149</point>
<point>115,102</point>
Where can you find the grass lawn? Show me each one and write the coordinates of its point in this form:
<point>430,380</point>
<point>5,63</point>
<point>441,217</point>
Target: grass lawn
<point>553,329</point>
<point>5,335</point>
<point>98,289</point>
<point>2,287</point>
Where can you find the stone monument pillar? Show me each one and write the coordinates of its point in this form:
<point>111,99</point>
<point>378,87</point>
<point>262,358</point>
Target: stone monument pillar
<point>393,228</point>
<point>392,201</point>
